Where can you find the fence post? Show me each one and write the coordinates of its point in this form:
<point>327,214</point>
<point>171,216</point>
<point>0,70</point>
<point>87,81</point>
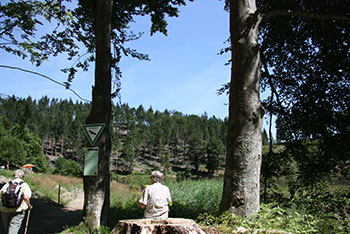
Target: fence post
<point>59,194</point>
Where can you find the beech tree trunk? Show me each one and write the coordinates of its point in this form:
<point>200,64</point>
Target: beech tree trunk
<point>96,188</point>
<point>244,146</point>
<point>147,226</point>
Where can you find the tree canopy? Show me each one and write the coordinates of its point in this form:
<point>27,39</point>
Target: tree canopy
<point>306,66</point>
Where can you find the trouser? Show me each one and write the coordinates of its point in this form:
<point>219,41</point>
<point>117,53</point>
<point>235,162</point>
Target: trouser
<point>12,221</point>
<point>158,217</point>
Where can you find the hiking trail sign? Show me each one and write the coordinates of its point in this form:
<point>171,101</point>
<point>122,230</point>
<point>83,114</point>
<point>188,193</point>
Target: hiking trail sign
<point>93,131</point>
<point>91,161</point>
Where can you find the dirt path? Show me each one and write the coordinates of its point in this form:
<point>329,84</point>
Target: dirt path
<point>48,218</point>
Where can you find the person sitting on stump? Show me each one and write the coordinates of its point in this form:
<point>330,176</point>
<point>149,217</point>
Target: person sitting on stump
<point>156,198</point>
<point>12,214</point>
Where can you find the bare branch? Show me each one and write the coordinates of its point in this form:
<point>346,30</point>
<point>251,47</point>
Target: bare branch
<point>46,77</point>
<point>305,14</point>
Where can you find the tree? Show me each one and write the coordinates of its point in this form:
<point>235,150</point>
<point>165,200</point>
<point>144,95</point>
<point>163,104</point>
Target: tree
<point>265,138</point>
<point>244,144</point>
<point>127,156</point>
<point>309,79</point>
<point>12,150</point>
<point>106,23</point>
<point>214,152</point>
<point>19,21</point>
<point>67,167</point>
<point>241,181</point>
<point>97,25</point>
<point>32,146</point>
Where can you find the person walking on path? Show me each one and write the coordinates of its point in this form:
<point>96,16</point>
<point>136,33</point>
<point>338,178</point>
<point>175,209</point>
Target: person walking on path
<point>156,198</point>
<point>12,217</point>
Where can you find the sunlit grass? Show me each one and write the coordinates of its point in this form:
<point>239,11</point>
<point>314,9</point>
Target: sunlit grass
<point>48,187</point>
<point>51,186</point>
<point>193,197</point>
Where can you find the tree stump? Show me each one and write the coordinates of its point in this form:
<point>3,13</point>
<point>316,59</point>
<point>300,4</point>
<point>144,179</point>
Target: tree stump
<point>145,226</point>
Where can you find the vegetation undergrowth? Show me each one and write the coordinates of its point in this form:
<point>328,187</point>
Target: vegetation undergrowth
<point>318,208</point>
<point>193,197</point>
<point>48,187</point>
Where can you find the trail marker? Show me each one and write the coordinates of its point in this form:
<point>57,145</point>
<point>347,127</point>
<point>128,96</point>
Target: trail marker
<point>93,132</point>
<point>91,161</point>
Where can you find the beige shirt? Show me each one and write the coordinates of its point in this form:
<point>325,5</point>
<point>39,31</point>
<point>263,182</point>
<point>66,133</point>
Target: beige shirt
<point>26,190</point>
<point>156,198</point>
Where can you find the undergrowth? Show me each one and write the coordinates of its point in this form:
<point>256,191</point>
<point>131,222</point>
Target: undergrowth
<point>48,187</point>
<point>319,208</point>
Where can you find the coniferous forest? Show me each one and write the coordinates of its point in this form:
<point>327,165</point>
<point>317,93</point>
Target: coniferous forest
<point>297,50</point>
<point>142,139</point>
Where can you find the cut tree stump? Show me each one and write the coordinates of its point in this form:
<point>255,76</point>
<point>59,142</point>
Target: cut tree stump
<point>144,226</point>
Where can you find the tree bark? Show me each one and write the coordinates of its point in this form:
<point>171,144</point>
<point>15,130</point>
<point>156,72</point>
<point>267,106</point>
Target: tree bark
<point>244,146</point>
<point>96,188</point>
<point>171,225</point>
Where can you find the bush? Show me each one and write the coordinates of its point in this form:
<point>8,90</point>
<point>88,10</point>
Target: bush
<point>329,205</point>
<point>12,149</point>
<point>67,167</point>
<point>270,217</point>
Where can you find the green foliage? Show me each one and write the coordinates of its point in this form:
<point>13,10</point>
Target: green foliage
<point>309,80</point>
<point>137,181</point>
<point>172,138</point>
<point>45,186</point>
<point>330,204</point>
<point>127,209</point>
<point>19,146</point>
<point>270,217</point>
<point>190,198</point>
<point>315,209</point>
<point>12,149</point>
<point>20,21</point>
<point>83,229</point>
<point>67,167</point>
<point>32,147</point>
<point>265,138</point>
<point>165,161</point>
<point>215,149</point>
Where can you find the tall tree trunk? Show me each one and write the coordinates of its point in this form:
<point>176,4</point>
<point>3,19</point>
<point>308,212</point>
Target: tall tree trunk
<point>97,188</point>
<point>244,146</point>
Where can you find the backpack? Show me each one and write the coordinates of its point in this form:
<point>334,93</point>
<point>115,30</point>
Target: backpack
<point>13,196</point>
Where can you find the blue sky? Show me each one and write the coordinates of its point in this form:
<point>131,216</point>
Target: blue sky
<point>184,73</point>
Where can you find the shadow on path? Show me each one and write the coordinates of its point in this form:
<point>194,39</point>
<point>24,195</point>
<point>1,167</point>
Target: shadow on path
<point>48,218</point>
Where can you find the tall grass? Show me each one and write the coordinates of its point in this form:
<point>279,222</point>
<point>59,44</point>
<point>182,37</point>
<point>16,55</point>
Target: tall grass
<point>48,186</point>
<point>193,197</point>
<point>190,198</point>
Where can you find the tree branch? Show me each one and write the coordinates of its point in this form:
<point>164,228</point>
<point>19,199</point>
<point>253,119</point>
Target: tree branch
<point>305,14</point>
<point>279,102</point>
<point>46,77</point>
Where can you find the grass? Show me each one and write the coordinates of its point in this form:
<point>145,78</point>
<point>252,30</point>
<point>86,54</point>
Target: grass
<point>319,209</point>
<point>46,186</point>
<point>193,197</point>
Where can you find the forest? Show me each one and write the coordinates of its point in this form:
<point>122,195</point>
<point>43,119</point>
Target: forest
<point>142,140</point>
<point>296,50</point>
<point>186,147</point>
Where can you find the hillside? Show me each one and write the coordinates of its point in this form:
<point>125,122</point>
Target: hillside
<point>141,139</point>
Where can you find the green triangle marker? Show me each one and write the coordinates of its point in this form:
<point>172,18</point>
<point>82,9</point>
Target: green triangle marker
<point>93,131</point>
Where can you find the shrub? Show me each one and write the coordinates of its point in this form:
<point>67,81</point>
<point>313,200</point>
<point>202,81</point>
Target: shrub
<point>67,167</point>
<point>270,217</point>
